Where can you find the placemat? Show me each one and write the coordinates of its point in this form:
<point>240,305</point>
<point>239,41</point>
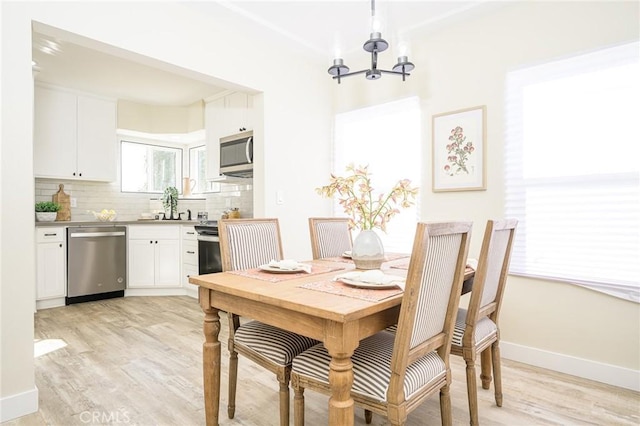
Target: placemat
<point>388,257</point>
<point>336,287</point>
<point>405,265</point>
<point>277,277</point>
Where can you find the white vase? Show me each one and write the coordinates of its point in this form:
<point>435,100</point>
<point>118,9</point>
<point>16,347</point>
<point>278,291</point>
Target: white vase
<point>46,216</point>
<point>367,251</point>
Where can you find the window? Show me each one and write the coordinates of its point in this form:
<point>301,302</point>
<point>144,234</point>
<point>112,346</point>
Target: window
<point>150,168</point>
<point>573,170</point>
<point>387,137</point>
<point>198,168</point>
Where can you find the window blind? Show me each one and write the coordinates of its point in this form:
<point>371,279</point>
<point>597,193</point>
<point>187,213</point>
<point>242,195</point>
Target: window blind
<point>573,170</point>
<point>387,138</point>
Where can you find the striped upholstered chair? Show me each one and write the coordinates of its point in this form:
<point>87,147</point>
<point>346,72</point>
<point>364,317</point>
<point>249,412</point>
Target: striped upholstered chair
<point>330,236</point>
<point>476,330</point>
<point>244,244</point>
<point>394,373</point>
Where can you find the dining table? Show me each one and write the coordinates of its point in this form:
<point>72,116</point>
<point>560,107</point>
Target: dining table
<point>311,303</point>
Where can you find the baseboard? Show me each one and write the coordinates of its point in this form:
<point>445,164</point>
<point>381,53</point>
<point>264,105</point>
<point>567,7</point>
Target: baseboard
<point>155,291</point>
<point>18,405</point>
<point>587,369</point>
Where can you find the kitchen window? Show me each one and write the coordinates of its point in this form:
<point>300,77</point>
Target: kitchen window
<point>150,167</point>
<point>573,170</point>
<point>387,138</point>
<point>198,168</point>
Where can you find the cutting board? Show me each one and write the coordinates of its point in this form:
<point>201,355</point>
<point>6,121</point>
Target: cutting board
<point>65,204</point>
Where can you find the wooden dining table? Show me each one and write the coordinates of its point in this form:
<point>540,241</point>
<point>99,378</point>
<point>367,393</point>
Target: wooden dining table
<point>310,304</point>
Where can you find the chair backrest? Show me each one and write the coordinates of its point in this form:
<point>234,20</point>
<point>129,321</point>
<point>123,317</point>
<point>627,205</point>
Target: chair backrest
<point>491,273</point>
<point>249,243</point>
<point>330,236</point>
<point>431,297</point>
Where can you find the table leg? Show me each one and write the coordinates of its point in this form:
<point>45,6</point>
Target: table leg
<point>211,361</point>
<point>341,379</point>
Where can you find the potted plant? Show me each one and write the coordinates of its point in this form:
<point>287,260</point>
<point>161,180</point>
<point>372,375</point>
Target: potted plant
<point>46,211</point>
<point>170,202</point>
<point>368,211</point>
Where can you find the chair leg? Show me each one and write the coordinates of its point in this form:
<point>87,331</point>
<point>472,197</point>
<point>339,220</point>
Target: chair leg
<point>368,416</point>
<point>233,380</point>
<point>445,406</point>
<point>283,380</point>
<point>497,372</point>
<point>298,406</point>
<point>485,374</point>
<point>472,392</point>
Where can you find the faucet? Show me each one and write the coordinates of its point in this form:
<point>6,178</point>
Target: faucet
<point>188,214</point>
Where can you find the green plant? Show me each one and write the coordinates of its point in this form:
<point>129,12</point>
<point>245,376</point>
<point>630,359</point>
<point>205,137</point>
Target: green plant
<point>170,199</point>
<point>47,206</point>
<point>358,201</point>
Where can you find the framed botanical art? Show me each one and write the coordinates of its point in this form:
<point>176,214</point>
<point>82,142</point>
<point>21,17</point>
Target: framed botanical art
<point>458,154</point>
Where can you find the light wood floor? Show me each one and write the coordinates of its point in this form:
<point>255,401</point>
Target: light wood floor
<point>137,360</point>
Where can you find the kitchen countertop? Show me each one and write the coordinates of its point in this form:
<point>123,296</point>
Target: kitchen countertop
<point>116,223</point>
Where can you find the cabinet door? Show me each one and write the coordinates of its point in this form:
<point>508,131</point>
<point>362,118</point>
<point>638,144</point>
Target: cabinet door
<point>96,139</point>
<point>168,263</point>
<point>54,133</point>
<point>141,263</point>
<point>236,111</point>
<point>50,274</point>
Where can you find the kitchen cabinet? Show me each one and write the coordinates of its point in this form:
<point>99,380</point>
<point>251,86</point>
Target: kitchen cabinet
<point>51,285</point>
<point>74,136</point>
<point>189,259</point>
<point>154,256</point>
<point>225,116</point>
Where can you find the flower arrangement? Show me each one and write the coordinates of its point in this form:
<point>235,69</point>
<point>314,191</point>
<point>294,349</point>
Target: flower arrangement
<point>459,151</point>
<point>366,210</point>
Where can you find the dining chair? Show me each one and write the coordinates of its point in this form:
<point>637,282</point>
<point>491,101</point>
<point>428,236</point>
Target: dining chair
<point>394,372</point>
<point>244,244</point>
<point>476,329</point>
<point>330,236</point>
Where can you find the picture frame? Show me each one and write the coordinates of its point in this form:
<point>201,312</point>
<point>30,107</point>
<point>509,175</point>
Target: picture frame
<point>458,150</point>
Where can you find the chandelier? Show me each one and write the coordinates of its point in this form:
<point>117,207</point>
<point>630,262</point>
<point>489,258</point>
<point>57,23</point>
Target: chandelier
<point>374,45</point>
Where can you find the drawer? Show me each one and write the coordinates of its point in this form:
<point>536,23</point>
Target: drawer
<point>189,233</point>
<point>190,253</point>
<point>46,235</point>
<point>154,232</point>
<point>189,271</point>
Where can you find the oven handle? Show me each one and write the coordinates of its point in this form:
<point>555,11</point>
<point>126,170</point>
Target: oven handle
<point>210,238</point>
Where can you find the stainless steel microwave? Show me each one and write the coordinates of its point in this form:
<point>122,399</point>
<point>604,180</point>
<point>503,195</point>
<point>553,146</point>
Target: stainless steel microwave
<point>236,155</point>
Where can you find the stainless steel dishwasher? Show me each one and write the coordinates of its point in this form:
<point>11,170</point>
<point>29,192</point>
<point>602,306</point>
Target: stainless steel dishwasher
<point>96,263</point>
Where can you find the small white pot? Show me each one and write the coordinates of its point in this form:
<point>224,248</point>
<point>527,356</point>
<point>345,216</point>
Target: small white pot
<point>46,216</point>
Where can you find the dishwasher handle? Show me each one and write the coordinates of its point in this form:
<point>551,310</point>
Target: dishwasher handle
<point>97,234</point>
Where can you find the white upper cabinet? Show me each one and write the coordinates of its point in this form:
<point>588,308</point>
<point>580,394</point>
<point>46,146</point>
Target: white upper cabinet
<point>74,136</point>
<point>225,116</point>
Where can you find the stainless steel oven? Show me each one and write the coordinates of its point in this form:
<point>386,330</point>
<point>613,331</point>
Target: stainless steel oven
<point>209,260</point>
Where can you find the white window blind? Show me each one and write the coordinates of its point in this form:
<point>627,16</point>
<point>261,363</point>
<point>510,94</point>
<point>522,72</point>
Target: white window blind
<point>387,138</point>
<point>573,170</point>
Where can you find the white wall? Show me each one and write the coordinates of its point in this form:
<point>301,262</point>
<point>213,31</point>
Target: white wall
<point>552,324</point>
<point>296,122</point>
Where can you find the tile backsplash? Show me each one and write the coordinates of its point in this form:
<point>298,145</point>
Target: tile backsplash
<point>98,195</point>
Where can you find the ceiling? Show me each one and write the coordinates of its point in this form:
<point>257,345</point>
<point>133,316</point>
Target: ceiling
<point>320,28</point>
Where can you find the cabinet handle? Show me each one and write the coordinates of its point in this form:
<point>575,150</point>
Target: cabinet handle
<point>156,242</point>
<point>51,235</point>
<point>150,242</point>
<point>190,233</point>
<point>79,174</point>
<point>191,252</point>
<point>74,173</point>
<point>60,245</point>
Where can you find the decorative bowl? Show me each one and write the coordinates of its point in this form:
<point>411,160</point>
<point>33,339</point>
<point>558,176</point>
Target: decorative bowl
<point>105,215</point>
